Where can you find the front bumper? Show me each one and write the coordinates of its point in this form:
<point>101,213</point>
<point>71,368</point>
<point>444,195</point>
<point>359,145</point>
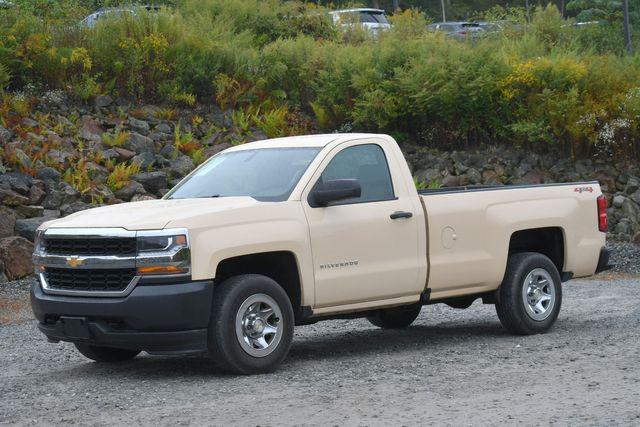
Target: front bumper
<point>166,318</point>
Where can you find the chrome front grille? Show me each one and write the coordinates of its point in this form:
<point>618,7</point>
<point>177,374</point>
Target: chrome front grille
<point>104,262</point>
<point>87,262</point>
<point>88,280</point>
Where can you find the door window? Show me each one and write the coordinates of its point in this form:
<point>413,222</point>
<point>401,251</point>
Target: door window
<point>366,163</point>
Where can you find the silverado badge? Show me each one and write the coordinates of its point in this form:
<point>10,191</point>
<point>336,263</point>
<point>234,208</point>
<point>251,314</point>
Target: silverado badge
<point>74,261</point>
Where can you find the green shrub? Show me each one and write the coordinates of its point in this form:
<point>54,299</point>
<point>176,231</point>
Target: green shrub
<point>283,67</point>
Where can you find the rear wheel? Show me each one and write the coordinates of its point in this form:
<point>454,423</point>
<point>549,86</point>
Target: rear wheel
<point>395,318</point>
<point>106,354</point>
<point>251,325</point>
<point>530,294</point>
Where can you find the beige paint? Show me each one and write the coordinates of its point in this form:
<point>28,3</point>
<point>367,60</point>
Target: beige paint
<point>483,223</point>
<point>468,232</point>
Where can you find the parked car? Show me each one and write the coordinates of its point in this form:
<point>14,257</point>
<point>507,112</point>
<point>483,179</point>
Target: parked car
<point>291,231</point>
<point>114,12</point>
<point>372,20</point>
<point>459,30</point>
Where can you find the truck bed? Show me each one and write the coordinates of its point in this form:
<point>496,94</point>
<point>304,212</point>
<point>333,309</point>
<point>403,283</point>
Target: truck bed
<point>473,226</point>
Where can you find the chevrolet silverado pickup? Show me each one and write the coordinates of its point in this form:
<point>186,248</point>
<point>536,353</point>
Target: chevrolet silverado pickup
<point>273,234</point>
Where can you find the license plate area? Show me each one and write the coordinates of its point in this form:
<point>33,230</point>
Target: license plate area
<point>75,327</point>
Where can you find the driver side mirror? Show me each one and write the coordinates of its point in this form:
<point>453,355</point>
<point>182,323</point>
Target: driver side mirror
<point>334,190</point>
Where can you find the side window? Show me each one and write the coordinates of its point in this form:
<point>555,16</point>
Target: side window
<point>366,163</point>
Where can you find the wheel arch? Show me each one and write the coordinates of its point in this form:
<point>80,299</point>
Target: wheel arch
<point>281,266</point>
<point>549,241</point>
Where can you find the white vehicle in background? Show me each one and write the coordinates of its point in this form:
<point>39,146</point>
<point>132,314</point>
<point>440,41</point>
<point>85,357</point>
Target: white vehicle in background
<point>114,12</point>
<point>372,20</point>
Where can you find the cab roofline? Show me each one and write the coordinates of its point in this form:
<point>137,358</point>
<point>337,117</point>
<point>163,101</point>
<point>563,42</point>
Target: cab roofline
<point>318,141</point>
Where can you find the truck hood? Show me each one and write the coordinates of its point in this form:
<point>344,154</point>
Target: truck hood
<point>149,214</point>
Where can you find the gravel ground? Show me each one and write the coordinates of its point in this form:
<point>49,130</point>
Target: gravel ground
<point>452,367</point>
<point>625,257</point>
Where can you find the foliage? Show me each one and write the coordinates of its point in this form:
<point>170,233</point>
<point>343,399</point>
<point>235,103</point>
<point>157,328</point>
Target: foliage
<point>78,177</point>
<point>283,68</point>
<point>120,175</point>
<point>117,139</point>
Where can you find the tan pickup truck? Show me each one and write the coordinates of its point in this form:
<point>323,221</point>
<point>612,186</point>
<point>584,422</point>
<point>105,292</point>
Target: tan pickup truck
<point>290,231</point>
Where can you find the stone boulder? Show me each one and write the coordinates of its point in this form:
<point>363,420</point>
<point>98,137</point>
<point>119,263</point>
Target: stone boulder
<point>139,125</point>
<point>129,190</point>
<point>17,181</point>
<point>90,130</point>
<point>139,143</point>
<point>30,211</point>
<point>7,221</point>
<point>102,101</point>
<point>74,207</point>
<point>181,166</point>
<point>163,127</point>
<point>37,193</point>
<point>153,182</point>
<point>5,135</point>
<point>27,227</point>
<point>11,198</point>
<point>15,257</point>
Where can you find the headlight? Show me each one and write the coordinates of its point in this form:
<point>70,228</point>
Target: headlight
<point>37,242</point>
<point>164,252</point>
<point>38,249</point>
<point>152,244</point>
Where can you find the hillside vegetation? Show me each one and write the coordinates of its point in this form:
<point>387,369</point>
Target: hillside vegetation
<point>284,68</point>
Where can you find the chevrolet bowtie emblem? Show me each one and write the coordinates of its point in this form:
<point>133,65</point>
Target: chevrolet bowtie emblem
<point>74,261</point>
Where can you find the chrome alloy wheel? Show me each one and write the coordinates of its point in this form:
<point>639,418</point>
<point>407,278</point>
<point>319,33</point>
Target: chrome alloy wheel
<point>259,325</point>
<point>539,294</point>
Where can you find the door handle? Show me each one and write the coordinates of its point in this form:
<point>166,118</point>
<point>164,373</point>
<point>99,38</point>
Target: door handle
<point>400,214</point>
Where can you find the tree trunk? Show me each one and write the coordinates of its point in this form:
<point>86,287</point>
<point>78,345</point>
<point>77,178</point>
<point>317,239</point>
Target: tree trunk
<point>627,29</point>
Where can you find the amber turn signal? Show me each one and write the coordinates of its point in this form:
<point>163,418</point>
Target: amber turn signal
<point>161,269</point>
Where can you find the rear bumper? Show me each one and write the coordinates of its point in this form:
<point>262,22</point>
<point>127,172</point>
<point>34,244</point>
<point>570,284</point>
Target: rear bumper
<point>603,261</point>
<point>166,318</point>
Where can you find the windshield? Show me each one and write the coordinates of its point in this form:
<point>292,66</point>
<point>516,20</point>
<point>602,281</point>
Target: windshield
<point>267,174</point>
<point>373,17</point>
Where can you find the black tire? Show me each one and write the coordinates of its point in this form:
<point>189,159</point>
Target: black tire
<point>395,318</point>
<point>106,354</point>
<point>511,306</point>
<point>225,345</point>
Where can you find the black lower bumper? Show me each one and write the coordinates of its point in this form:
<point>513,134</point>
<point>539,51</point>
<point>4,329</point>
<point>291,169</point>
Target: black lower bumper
<point>603,261</point>
<point>167,318</point>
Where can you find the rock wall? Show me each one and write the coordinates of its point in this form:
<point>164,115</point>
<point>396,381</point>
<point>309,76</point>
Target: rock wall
<point>502,166</point>
<point>42,151</point>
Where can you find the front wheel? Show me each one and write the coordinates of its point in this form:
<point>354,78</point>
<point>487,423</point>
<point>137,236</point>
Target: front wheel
<point>530,294</point>
<point>395,318</point>
<point>106,354</point>
<point>251,325</point>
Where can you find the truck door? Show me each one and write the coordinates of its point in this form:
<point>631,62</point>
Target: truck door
<point>366,248</point>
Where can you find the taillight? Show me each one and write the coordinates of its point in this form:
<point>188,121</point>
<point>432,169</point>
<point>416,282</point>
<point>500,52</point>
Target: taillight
<point>602,213</point>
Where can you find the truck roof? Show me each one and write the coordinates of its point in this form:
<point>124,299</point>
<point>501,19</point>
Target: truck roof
<point>304,141</point>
